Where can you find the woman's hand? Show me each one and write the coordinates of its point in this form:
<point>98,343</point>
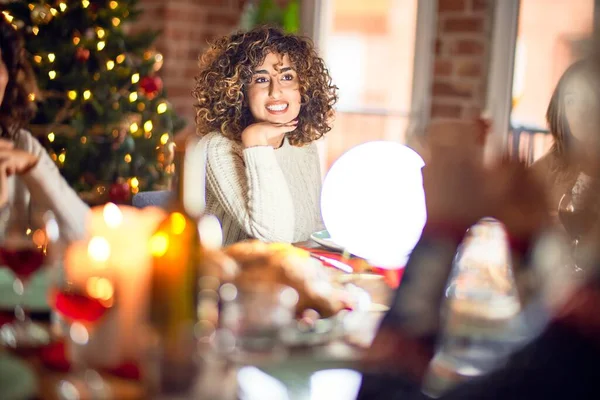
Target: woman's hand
<point>264,133</point>
<point>460,190</point>
<point>12,162</point>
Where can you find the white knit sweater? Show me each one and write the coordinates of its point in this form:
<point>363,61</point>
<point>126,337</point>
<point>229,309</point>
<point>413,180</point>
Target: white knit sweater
<point>43,188</point>
<point>268,194</point>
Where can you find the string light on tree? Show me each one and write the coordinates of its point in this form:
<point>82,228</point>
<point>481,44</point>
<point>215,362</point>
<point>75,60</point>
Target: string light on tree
<point>52,74</point>
<point>51,137</point>
<point>87,94</point>
<point>62,6</point>
<point>31,97</point>
<point>115,21</point>
<point>120,58</point>
<point>37,59</point>
<point>35,30</point>
<point>161,108</point>
<point>133,96</point>
<point>135,78</point>
<point>164,138</point>
<point>148,126</point>
<point>51,57</point>
<point>85,3</point>
<point>101,44</point>
<point>110,65</point>
<point>113,4</point>
<point>72,94</point>
<point>9,18</point>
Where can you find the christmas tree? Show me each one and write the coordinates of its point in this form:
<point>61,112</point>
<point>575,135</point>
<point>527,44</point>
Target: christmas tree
<point>103,113</point>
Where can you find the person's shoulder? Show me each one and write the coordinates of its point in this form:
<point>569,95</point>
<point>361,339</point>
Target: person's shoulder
<point>546,167</point>
<point>218,140</point>
<point>25,140</point>
<point>219,147</point>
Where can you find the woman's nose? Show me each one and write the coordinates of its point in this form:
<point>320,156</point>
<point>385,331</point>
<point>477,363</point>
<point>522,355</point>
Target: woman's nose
<point>274,88</point>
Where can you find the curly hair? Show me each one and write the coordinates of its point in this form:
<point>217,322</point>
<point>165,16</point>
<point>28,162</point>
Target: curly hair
<point>16,109</point>
<point>226,69</point>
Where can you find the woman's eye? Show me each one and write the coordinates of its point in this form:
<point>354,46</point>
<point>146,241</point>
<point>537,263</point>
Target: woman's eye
<point>287,77</point>
<point>261,79</point>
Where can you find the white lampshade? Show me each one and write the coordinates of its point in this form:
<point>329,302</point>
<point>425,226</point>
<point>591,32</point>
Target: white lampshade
<point>373,202</point>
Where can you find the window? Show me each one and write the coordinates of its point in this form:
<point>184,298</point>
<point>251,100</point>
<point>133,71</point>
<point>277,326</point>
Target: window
<point>371,50</point>
<point>534,42</point>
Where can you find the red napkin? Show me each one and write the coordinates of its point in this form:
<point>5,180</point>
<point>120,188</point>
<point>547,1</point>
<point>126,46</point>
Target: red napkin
<point>54,357</point>
<point>392,276</point>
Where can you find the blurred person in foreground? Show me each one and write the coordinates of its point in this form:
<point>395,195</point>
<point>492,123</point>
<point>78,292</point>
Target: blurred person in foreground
<point>560,363</point>
<point>28,176</point>
<point>573,117</point>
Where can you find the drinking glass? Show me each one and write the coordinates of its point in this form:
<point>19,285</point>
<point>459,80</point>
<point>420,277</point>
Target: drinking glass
<point>253,321</point>
<point>578,219</point>
<point>82,305</point>
<point>25,243</point>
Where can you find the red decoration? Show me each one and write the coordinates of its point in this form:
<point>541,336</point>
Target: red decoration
<point>82,54</point>
<point>119,192</point>
<point>150,86</point>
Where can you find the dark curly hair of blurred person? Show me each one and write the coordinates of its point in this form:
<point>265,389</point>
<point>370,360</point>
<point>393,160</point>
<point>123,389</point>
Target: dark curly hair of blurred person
<point>16,109</point>
<point>226,69</point>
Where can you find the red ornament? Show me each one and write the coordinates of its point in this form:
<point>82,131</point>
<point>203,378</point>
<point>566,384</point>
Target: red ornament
<point>150,86</point>
<point>82,54</point>
<point>119,192</point>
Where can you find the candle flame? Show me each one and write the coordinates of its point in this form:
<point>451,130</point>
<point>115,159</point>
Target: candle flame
<point>112,215</point>
<point>99,249</point>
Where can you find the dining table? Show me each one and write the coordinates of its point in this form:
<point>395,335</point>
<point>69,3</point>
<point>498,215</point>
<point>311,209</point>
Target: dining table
<point>295,375</point>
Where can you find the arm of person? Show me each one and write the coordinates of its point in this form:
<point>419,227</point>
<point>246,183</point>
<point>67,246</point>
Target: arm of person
<point>252,188</point>
<point>50,191</point>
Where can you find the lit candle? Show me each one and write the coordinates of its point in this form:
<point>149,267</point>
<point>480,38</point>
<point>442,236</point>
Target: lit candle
<point>116,248</point>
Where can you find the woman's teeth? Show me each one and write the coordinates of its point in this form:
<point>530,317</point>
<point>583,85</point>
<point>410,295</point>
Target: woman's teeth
<point>277,107</point>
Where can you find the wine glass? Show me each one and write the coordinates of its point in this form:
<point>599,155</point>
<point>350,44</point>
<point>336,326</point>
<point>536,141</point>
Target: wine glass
<point>25,244</point>
<point>577,219</point>
<point>82,305</point>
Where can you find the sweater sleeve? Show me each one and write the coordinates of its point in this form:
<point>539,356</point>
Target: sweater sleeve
<point>251,187</point>
<point>50,191</point>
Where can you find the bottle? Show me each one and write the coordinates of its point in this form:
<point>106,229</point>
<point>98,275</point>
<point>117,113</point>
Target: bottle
<point>176,253</point>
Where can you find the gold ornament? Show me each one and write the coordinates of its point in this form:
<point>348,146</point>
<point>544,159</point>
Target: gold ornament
<point>41,14</point>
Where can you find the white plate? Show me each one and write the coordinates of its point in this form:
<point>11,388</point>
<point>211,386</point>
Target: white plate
<point>17,380</point>
<point>324,239</point>
<point>36,291</point>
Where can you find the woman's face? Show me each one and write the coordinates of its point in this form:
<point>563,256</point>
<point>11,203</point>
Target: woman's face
<point>582,109</point>
<point>3,78</point>
<point>274,92</point>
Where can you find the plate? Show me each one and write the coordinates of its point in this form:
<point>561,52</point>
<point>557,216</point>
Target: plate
<point>36,291</point>
<point>324,239</point>
<point>17,380</point>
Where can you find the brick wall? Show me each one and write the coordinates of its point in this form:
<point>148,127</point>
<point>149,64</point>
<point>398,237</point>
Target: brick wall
<point>187,26</point>
<point>461,58</point>
<point>461,53</point>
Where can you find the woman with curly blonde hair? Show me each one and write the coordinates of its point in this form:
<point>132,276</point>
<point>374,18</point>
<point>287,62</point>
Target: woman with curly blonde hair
<point>262,99</point>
